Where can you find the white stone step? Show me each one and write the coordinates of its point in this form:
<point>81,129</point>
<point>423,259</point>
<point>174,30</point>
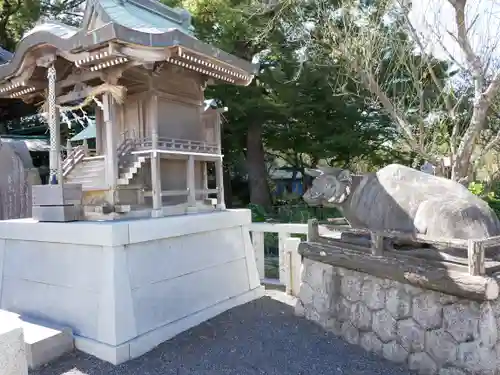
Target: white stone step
<point>12,347</point>
<point>43,343</point>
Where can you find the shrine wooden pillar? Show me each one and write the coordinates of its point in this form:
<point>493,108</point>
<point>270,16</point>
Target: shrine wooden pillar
<point>55,163</point>
<point>219,172</point>
<point>155,156</point>
<point>204,177</point>
<point>191,185</point>
<point>111,146</point>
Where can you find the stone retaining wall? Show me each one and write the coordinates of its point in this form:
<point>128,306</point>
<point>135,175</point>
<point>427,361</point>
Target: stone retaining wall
<point>428,331</point>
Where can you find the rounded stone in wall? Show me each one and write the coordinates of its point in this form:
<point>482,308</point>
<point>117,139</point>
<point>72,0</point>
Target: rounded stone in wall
<point>384,325</point>
<point>423,363</point>
<point>394,352</point>
<point>411,336</point>
<point>398,303</point>
<point>361,316</point>
<point>461,320</point>
<point>371,343</point>
<point>427,311</point>
<point>351,287</point>
<point>441,346</point>
<point>350,333</point>
<point>372,294</point>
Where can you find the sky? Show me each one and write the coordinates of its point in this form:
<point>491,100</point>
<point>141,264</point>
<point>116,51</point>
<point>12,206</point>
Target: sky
<point>435,19</point>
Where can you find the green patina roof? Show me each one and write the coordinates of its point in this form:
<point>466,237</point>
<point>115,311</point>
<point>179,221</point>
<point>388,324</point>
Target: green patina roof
<point>146,23</point>
<point>88,133</point>
<point>154,19</point>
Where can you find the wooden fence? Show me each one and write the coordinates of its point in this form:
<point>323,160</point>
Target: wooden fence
<point>454,266</point>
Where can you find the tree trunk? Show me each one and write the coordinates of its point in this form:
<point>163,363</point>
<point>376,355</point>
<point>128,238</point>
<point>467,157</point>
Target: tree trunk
<point>256,167</point>
<point>228,187</point>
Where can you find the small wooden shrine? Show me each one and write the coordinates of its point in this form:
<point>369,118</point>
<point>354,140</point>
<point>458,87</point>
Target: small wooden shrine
<point>139,64</point>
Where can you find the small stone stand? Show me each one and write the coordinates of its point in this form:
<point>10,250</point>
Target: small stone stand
<point>57,203</point>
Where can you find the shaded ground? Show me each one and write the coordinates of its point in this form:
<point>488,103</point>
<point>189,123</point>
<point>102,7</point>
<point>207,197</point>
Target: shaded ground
<point>260,338</point>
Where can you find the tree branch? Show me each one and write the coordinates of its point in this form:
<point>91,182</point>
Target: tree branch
<point>472,59</point>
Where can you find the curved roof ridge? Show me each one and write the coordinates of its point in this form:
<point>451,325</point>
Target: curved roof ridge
<point>55,27</point>
<point>145,15</point>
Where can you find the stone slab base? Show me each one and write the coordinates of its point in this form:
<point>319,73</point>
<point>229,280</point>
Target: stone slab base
<point>42,344</point>
<point>432,333</point>
<point>125,286</point>
<point>12,350</point>
<point>144,343</point>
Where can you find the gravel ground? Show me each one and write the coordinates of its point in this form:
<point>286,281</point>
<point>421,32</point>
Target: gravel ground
<point>262,337</point>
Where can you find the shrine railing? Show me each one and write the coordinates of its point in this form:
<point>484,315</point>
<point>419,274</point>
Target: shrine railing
<point>73,158</point>
<point>124,150</point>
<point>173,144</point>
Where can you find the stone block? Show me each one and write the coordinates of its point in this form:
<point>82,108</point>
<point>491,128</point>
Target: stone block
<point>372,294</point>
<point>371,343</point>
<point>394,352</point>
<point>488,331</point>
<point>384,325</point>
<point>44,344</point>
<point>12,349</point>
<point>427,311</point>
<point>350,333</point>
<point>343,312</point>
<point>461,320</point>
<point>476,358</point>
<point>351,287</point>
<point>398,303</point>
<point>334,326</point>
<point>411,336</point>
<point>441,346</point>
<point>361,316</point>
<point>421,362</point>
<point>57,213</point>
<point>57,195</point>
<point>306,293</point>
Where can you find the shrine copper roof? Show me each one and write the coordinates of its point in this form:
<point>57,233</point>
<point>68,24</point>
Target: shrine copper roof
<point>134,22</point>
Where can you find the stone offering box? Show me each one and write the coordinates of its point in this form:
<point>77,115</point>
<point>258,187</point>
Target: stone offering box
<point>435,316</point>
<point>58,203</point>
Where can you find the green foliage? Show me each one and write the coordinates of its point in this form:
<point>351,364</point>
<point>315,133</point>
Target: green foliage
<point>259,214</point>
<point>492,198</point>
<point>292,213</point>
<point>304,116</point>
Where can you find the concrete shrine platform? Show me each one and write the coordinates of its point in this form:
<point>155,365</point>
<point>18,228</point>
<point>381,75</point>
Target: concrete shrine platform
<point>124,287</point>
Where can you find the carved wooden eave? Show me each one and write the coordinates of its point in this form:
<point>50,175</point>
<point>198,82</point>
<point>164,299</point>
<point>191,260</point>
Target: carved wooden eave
<point>115,33</point>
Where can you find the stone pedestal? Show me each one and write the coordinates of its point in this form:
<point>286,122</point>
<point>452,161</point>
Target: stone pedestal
<point>124,287</point>
<point>57,203</point>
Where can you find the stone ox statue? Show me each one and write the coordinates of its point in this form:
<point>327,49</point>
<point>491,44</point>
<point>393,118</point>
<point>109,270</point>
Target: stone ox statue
<point>403,199</point>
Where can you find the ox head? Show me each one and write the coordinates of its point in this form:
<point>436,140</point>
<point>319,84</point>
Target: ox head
<point>331,186</point>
